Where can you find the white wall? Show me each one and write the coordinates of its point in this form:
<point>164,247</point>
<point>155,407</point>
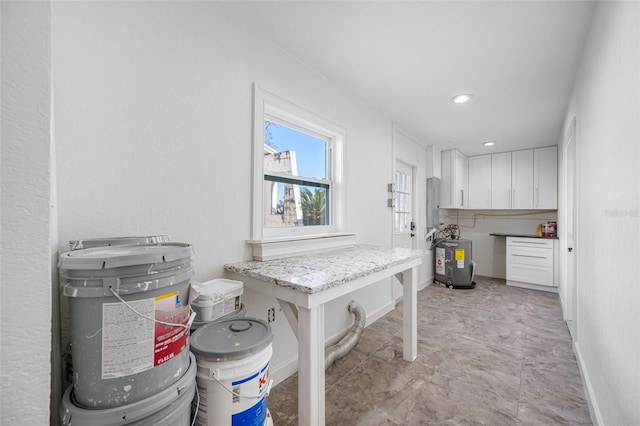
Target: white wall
<point>606,103</point>
<point>27,173</point>
<point>153,126</point>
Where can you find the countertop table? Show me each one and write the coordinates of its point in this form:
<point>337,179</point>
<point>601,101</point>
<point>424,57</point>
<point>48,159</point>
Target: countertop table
<point>303,284</point>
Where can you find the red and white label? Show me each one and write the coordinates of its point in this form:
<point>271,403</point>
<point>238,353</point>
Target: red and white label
<point>440,261</point>
<point>169,340</point>
<point>132,343</point>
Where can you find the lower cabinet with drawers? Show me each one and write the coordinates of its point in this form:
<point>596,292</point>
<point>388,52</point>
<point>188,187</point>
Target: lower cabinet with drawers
<point>532,263</point>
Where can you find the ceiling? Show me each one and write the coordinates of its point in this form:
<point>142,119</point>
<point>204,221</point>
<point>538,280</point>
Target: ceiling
<point>408,59</point>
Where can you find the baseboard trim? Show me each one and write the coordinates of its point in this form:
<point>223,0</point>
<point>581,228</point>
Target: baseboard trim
<point>426,283</point>
<point>594,410</point>
<point>532,286</point>
<point>283,371</point>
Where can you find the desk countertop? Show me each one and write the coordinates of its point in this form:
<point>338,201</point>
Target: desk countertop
<point>313,273</point>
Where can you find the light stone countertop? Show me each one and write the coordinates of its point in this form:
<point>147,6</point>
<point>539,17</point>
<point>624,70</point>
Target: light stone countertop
<point>521,235</point>
<point>313,273</point>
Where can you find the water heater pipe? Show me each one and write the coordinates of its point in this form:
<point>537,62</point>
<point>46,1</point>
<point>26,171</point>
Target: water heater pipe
<point>349,341</point>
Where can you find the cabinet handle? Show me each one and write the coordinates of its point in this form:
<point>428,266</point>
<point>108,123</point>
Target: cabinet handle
<point>537,198</point>
<point>462,198</point>
<point>529,242</point>
<point>524,255</point>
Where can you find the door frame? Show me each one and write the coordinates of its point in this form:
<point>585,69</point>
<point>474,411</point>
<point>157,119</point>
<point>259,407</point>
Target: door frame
<point>569,258</point>
<point>404,153</point>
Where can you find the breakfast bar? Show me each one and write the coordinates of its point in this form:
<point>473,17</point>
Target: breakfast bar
<point>303,284</point>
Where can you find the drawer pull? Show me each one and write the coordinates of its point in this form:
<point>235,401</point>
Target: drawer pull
<point>524,255</point>
<point>530,242</point>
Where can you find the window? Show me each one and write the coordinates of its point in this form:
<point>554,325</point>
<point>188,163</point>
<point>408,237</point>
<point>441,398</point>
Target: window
<point>297,182</point>
<point>297,171</point>
<point>403,211</point>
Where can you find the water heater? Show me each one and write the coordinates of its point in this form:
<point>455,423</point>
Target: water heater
<point>453,265</point>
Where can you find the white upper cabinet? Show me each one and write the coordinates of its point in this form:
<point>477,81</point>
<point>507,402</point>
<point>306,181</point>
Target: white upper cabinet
<point>545,178</point>
<point>526,179</point>
<point>522,179</point>
<point>480,182</point>
<point>501,193</point>
<point>434,161</point>
<point>454,183</point>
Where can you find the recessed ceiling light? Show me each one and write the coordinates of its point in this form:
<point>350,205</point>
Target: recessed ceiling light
<point>489,143</point>
<point>460,99</point>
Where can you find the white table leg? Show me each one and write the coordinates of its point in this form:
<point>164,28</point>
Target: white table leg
<point>410,314</point>
<point>311,366</point>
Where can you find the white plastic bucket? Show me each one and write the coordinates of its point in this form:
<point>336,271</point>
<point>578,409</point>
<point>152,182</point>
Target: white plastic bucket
<point>233,372</point>
<point>170,407</point>
<point>240,313</point>
<point>216,298</point>
<point>119,356</point>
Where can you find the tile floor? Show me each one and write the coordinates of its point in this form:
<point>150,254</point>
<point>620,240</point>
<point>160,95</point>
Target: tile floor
<point>494,355</point>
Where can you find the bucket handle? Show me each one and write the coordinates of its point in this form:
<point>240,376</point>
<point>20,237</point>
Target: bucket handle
<point>186,326</point>
<point>110,283</point>
<point>232,392</point>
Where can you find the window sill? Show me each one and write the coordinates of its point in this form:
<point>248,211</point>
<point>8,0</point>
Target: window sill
<point>279,248</point>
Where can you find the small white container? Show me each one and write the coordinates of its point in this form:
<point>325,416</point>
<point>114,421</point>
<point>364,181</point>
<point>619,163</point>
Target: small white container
<point>216,298</point>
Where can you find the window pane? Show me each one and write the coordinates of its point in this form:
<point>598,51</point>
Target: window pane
<point>290,205</point>
<point>293,152</point>
<point>399,186</point>
<point>403,203</point>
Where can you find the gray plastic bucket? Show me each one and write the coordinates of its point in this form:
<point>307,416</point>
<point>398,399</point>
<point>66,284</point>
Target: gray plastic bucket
<point>91,243</point>
<point>120,357</point>
<point>170,407</point>
<point>233,372</point>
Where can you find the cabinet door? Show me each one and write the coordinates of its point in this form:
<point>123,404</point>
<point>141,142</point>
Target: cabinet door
<point>480,182</point>
<point>446,181</point>
<point>461,182</point>
<point>454,183</point>
<point>545,178</point>
<point>522,179</point>
<point>501,180</point>
<point>434,162</point>
<point>530,261</point>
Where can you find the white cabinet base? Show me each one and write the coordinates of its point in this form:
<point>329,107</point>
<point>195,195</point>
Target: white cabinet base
<point>532,263</point>
<point>532,286</point>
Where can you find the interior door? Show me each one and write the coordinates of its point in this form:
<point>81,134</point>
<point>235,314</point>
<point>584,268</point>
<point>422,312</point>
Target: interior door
<point>404,224</point>
<point>570,255</point>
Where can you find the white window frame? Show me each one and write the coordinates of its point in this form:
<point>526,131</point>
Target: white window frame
<point>269,243</point>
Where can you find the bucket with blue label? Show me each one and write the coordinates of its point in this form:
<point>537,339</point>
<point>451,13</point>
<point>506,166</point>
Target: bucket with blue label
<point>233,372</point>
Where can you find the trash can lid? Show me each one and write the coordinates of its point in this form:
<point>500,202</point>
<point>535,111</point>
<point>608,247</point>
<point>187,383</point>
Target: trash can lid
<point>230,339</point>
<point>109,257</point>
